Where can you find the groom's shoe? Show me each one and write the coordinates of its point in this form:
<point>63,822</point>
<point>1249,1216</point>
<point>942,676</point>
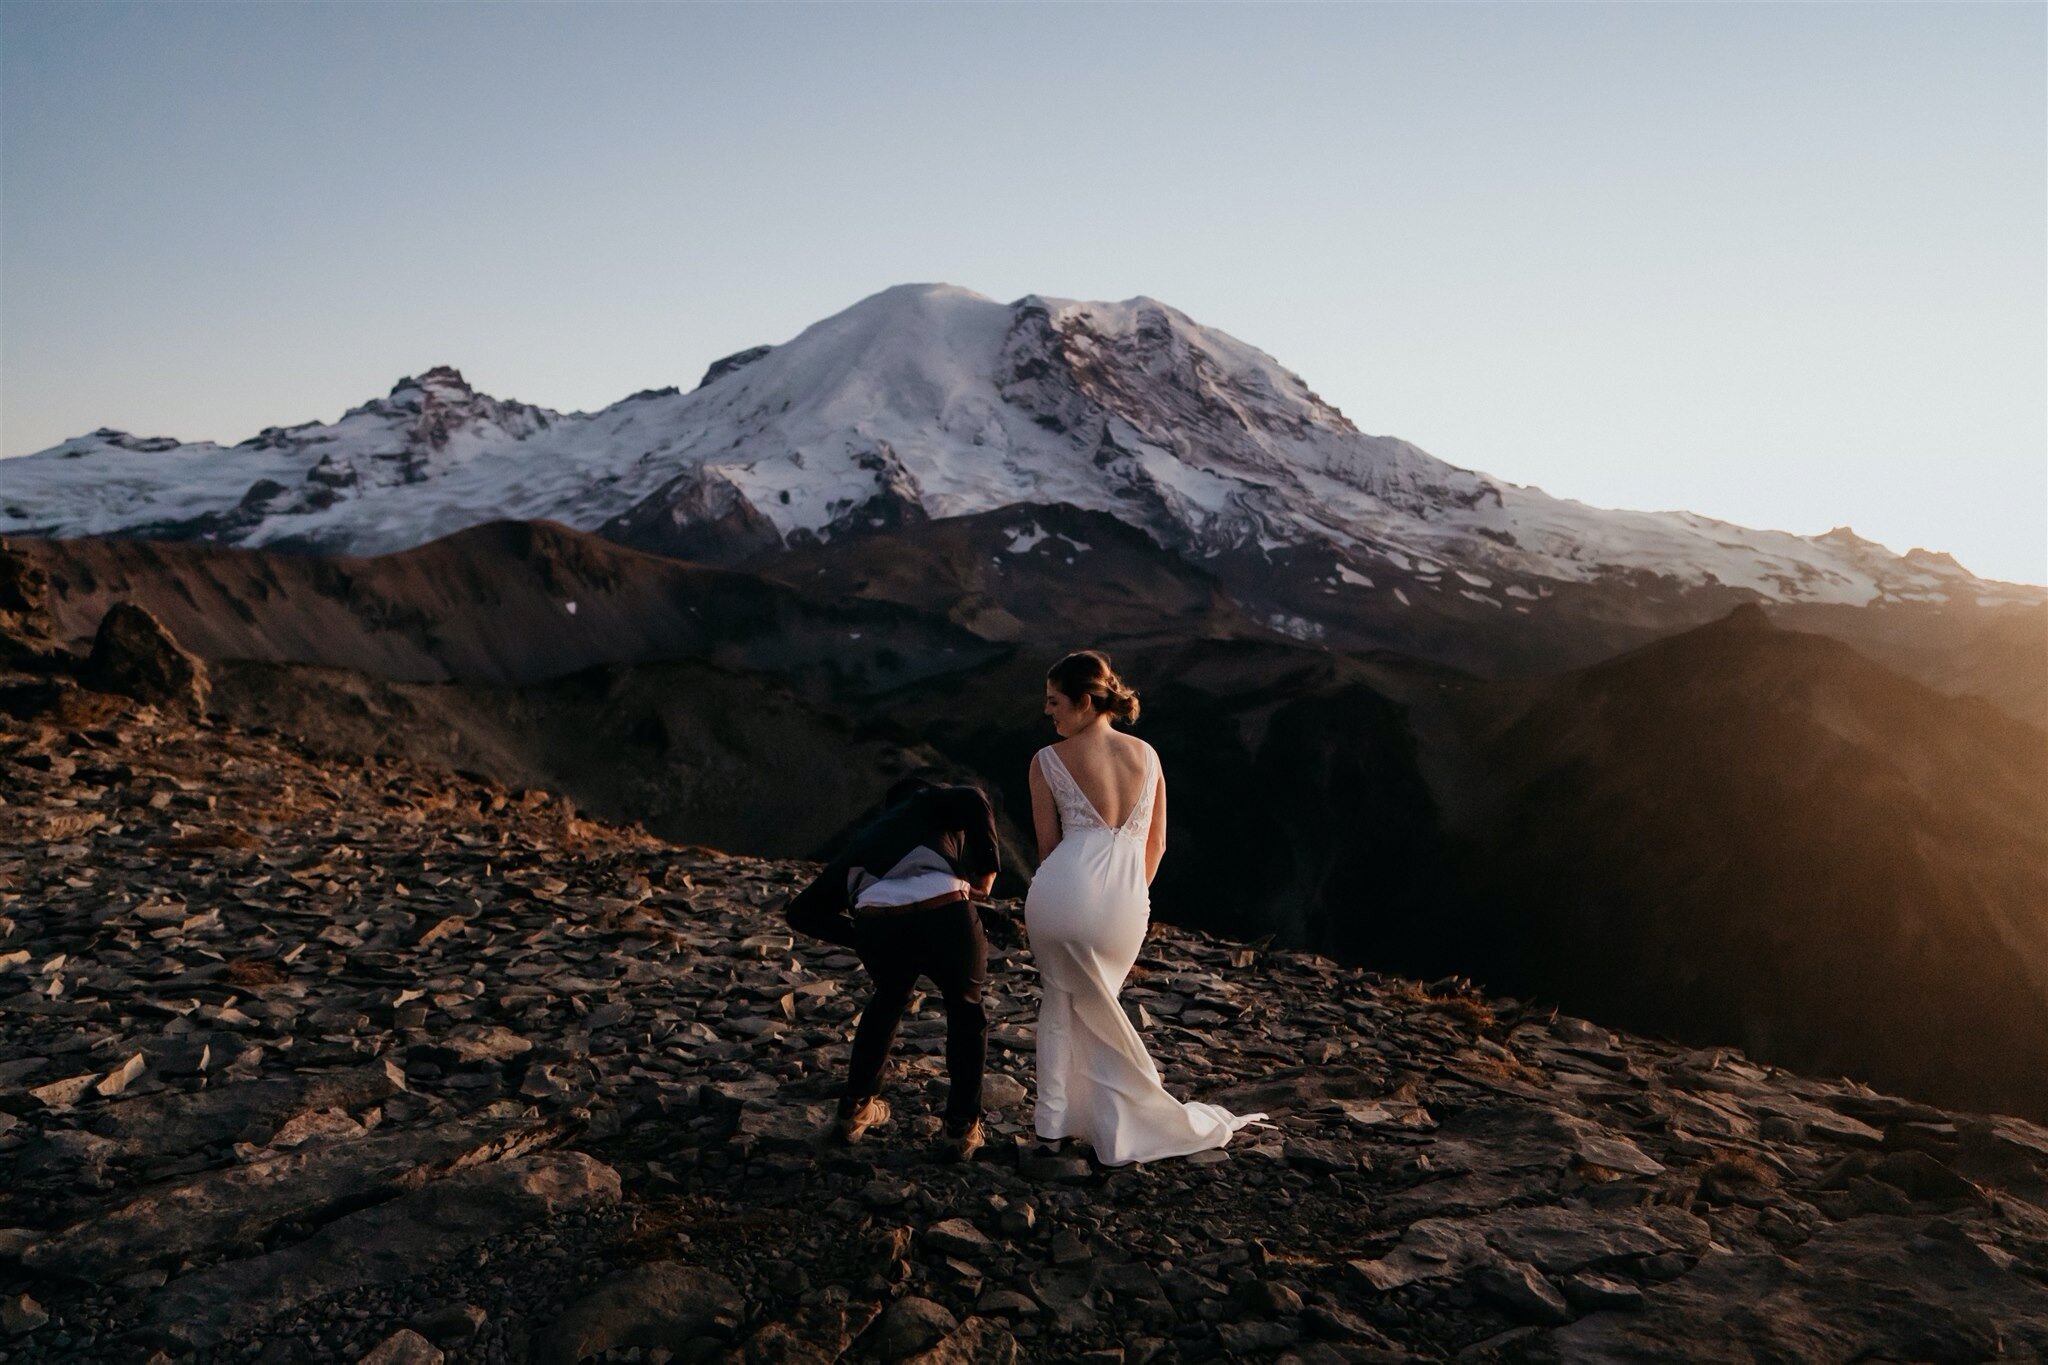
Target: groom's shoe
<point>870,1113</point>
<point>962,1143</point>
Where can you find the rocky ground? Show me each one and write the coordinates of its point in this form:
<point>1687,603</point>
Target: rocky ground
<point>313,1061</point>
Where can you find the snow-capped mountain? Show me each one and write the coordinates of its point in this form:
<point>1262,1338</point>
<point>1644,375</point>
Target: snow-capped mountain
<point>927,401</point>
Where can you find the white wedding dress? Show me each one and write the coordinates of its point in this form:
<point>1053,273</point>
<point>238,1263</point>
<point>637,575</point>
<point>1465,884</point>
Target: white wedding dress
<point>1086,916</point>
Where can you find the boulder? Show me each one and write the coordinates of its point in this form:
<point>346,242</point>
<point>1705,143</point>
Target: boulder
<point>134,656</point>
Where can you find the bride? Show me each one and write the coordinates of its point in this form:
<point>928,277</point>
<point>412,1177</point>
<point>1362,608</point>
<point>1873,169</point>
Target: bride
<point>1098,800</point>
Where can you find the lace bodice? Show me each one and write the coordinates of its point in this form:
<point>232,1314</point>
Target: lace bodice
<point>1078,813</point>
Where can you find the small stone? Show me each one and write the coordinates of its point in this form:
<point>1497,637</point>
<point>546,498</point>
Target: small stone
<point>1318,1157</point>
<point>115,1081</point>
<point>477,1045</point>
<point>1058,1170</point>
<point>403,1347</point>
<point>958,1237</point>
<point>1133,1280</point>
<point>1001,1092</point>
<point>883,1193</point>
<point>20,1315</point>
<point>658,1304</point>
<point>1668,1265</point>
<point>911,1324</point>
<point>1007,1302</point>
<point>446,1326</point>
<point>1335,1324</point>
<point>65,1093</point>
<point>1266,1297</point>
<point>1589,1293</point>
<point>1604,1151</point>
<point>977,1341</point>
<point>1521,1289</point>
<point>1243,1338</point>
<point>1070,1248</point>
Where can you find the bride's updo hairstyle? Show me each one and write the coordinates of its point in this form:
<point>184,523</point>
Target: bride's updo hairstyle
<point>1087,673</point>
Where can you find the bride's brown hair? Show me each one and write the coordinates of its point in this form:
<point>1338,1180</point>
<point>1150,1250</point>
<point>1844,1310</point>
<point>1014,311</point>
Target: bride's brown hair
<point>1086,673</point>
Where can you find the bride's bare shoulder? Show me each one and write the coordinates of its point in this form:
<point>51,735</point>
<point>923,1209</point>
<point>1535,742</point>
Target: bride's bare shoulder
<point>1136,748</point>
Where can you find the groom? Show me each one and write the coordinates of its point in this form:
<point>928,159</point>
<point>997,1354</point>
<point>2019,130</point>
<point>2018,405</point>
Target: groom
<point>901,895</point>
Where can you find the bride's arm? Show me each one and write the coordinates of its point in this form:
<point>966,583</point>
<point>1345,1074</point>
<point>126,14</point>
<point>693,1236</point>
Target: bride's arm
<point>1155,837</point>
<point>1045,813</point>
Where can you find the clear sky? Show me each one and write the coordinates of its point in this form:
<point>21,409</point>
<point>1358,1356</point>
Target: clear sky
<point>1778,264</point>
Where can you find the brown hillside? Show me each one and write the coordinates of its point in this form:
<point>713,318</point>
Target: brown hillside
<point>503,603</point>
<point>1760,836</point>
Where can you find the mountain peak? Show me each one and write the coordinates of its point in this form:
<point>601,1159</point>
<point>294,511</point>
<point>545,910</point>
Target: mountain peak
<point>1748,616</point>
<point>441,378</point>
<point>1939,559</point>
<point>930,400</point>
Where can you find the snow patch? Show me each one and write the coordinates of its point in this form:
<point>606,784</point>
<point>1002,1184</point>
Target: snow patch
<point>569,607</point>
<point>1024,538</point>
<point>1353,577</point>
<point>1300,627</point>
<point>1475,580</point>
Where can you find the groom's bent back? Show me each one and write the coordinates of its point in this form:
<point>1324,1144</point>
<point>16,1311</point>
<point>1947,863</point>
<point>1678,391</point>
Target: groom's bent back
<point>901,895</point>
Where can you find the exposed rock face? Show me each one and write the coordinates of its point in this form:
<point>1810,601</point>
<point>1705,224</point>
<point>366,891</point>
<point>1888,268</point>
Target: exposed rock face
<point>27,639</point>
<point>134,655</point>
<point>736,361</point>
<point>502,604</point>
<point>697,515</point>
<point>327,970</point>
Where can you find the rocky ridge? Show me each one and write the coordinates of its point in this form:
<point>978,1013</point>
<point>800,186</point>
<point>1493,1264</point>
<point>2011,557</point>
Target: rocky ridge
<point>303,1059</point>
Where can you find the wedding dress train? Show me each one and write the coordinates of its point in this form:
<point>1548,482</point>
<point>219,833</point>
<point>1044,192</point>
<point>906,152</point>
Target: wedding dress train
<point>1085,917</point>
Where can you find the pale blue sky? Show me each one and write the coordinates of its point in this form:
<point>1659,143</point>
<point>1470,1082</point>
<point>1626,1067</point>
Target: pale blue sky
<point>1782,265</point>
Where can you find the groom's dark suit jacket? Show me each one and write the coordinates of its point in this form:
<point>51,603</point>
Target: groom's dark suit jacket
<point>936,827</point>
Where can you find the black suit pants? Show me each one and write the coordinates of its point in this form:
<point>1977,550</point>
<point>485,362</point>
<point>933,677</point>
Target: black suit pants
<point>944,944</point>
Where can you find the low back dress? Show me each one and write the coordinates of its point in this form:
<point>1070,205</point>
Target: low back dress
<point>1086,916</point>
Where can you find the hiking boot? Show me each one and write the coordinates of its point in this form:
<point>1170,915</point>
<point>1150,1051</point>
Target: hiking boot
<point>867,1114</point>
<point>961,1144</point>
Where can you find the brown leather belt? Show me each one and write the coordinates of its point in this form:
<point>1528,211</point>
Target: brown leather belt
<point>890,911</point>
